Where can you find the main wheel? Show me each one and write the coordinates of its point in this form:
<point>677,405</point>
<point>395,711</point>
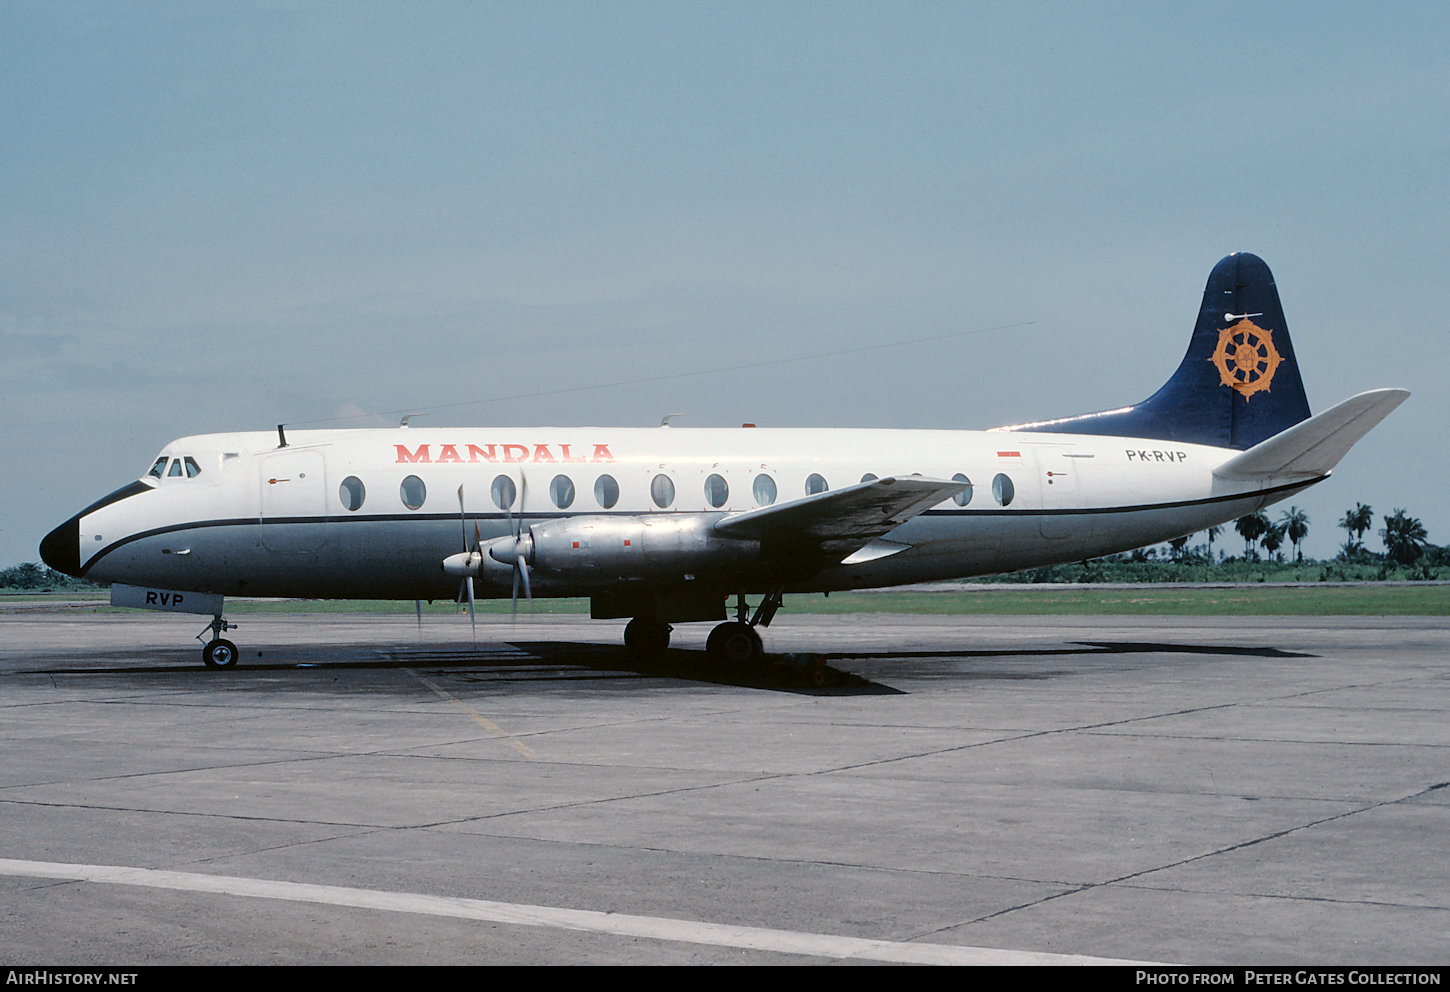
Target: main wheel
<point>646,638</point>
<point>220,653</point>
<point>734,643</point>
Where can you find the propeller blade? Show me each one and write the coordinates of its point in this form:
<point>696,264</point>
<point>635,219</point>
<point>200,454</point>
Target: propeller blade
<point>467,586</point>
<point>472,619</point>
<point>517,522</point>
<point>515,592</point>
<point>462,519</point>
<point>520,566</point>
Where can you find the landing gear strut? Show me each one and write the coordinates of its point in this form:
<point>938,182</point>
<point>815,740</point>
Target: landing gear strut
<point>218,652</point>
<point>736,642</point>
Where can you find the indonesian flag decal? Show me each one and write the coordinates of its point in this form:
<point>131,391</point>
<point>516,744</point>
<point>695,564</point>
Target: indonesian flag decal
<point>1009,456</point>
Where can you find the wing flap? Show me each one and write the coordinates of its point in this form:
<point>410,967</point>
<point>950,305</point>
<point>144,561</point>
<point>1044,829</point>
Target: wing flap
<point>1314,446</point>
<point>838,523</point>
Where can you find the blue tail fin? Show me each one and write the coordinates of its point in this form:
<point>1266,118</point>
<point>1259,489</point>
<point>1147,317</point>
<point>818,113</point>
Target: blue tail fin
<point>1239,383</point>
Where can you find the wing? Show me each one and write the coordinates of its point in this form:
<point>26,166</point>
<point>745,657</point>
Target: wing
<point>833,525</point>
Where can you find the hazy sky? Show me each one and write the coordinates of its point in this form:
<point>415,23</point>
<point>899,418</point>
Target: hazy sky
<point>222,216</point>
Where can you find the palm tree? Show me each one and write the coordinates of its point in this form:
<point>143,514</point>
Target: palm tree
<point>1213,532</point>
<point>1274,537</point>
<point>1356,522</point>
<point>1251,528</point>
<point>1404,537</point>
<point>1296,526</point>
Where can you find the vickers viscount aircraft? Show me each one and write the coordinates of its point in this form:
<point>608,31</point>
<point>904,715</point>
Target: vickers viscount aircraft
<point>668,526</point>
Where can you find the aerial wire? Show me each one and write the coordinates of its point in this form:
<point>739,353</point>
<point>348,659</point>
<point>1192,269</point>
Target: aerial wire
<point>667,376</point>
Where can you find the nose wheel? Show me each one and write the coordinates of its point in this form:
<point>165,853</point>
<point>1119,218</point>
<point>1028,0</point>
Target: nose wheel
<point>218,652</point>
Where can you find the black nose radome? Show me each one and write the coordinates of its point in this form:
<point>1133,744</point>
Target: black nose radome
<point>61,549</point>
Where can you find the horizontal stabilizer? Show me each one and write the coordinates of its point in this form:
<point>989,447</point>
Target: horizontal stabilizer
<point>1314,446</point>
<point>838,523</point>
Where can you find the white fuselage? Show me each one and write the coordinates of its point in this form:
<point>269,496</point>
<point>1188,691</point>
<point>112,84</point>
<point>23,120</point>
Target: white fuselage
<point>372,513</point>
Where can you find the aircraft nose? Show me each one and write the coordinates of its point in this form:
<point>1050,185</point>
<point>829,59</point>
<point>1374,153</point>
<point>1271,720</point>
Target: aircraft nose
<point>61,548</point>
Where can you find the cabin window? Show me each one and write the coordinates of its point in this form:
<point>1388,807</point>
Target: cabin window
<point>413,492</point>
<point>606,491</point>
<point>1002,489</point>
<point>869,477</point>
<point>561,491</point>
<point>965,496</point>
<point>158,468</point>
<point>192,468</point>
<point>816,483</point>
<point>503,491</point>
<point>352,493</point>
<point>662,491</point>
<point>717,491</point>
<point>764,490</point>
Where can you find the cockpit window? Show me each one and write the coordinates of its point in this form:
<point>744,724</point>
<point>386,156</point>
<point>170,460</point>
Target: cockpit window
<point>183,467</point>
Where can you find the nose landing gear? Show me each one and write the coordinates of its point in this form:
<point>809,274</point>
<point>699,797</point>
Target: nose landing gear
<point>218,652</point>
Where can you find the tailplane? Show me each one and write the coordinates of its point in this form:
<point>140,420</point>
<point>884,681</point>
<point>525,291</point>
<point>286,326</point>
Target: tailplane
<point>1314,447</point>
<point>1237,385</point>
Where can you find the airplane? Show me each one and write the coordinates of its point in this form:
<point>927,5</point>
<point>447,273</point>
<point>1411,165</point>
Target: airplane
<point>668,525</point>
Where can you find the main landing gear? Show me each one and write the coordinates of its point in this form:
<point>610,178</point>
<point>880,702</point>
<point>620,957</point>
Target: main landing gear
<point>646,638</point>
<point>218,652</point>
<point>736,642</point>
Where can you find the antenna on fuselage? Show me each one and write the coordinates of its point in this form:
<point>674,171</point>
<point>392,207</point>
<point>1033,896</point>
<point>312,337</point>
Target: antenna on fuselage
<point>408,417</point>
<point>665,420</point>
<point>281,437</point>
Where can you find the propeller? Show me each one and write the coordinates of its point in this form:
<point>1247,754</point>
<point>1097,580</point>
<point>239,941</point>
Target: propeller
<point>517,554</point>
<point>514,549</point>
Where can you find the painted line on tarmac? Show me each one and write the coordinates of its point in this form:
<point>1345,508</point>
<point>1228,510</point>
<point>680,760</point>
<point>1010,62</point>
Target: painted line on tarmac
<point>478,718</point>
<point>614,924</point>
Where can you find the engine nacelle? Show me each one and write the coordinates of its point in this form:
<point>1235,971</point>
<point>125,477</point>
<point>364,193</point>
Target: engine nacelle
<point>600,548</point>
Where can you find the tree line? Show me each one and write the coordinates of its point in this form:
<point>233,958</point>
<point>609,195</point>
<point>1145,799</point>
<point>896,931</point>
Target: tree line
<point>32,575</point>
<point>1405,538</point>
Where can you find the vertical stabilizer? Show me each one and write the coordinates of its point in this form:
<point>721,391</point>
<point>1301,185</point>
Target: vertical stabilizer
<point>1237,385</point>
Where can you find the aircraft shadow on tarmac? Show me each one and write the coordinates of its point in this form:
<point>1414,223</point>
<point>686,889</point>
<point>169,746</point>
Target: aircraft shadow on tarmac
<point>558,662</point>
<point>531,662</point>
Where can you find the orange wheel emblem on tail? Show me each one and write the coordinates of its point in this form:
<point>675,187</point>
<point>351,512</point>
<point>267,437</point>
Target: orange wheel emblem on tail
<point>1246,357</point>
